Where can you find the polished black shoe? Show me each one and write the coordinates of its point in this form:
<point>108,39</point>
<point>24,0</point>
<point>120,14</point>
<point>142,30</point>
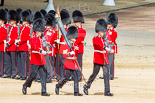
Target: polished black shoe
<point>45,94</point>
<point>78,94</point>
<point>38,80</point>
<point>48,81</point>
<point>101,77</point>
<point>85,89</point>
<point>111,78</point>
<point>24,90</point>
<point>57,90</point>
<point>18,77</point>
<point>108,94</point>
<point>6,76</point>
<point>13,77</point>
<point>22,78</point>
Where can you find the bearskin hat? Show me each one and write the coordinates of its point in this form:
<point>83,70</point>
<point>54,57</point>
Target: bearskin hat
<point>31,15</point>
<point>65,17</point>
<point>52,12</point>
<point>39,25</point>
<point>19,11</point>
<point>13,15</point>
<point>50,20</point>
<point>25,16</point>
<point>44,12</point>
<point>3,15</point>
<point>112,19</point>
<point>37,15</point>
<point>101,25</point>
<point>72,32</point>
<point>77,16</point>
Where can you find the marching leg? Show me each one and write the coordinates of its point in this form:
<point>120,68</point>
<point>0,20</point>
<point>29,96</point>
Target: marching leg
<point>13,62</point>
<point>43,75</point>
<point>91,78</point>
<point>106,81</point>
<point>79,59</point>
<point>48,67</point>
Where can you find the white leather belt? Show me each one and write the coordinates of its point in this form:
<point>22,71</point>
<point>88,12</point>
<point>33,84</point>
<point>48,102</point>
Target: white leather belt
<point>99,51</point>
<point>70,57</point>
<point>62,43</point>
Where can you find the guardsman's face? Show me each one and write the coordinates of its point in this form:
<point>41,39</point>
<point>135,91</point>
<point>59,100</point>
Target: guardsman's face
<point>78,24</point>
<point>109,26</point>
<point>25,22</point>
<point>73,40</point>
<point>39,33</point>
<point>101,33</point>
<point>13,22</point>
<point>1,22</point>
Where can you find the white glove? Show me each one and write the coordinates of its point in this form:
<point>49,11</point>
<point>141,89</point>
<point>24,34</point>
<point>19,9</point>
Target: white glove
<point>57,41</point>
<point>72,53</point>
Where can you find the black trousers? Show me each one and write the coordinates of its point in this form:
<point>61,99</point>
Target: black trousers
<point>79,59</point>
<point>66,78</point>
<point>32,76</point>
<point>1,63</point>
<point>11,63</point>
<point>60,71</point>
<point>22,64</point>
<point>94,74</point>
<point>52,60</point>
<point>48,66</point>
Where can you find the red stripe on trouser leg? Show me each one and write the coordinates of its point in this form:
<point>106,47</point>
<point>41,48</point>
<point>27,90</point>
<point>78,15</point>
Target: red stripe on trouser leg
<point>2,65</point>
<point>25,63</point>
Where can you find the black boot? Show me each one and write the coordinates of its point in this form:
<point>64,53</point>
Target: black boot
<point>24,90</point>
<point>108,94</point>
<point>78,94</point>
<point>57,90</point>
<point>6,76</point>
<point>45,94</point>
<point>85,89</point>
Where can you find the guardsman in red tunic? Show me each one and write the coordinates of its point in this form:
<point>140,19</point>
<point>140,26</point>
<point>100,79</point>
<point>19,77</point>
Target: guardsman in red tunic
<point>37,60</point>
<point>70,63</point>
<point>50,36</point>
<point>21,43</point>
<point>111,34</point>
<point>100,58</point>
<point>10,45</point>
<point>66,20</point>
<point>78,19</point>
<point>3,36</point>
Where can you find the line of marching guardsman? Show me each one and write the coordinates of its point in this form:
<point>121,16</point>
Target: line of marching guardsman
<point>33,48</point>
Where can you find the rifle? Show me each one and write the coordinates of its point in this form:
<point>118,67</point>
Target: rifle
<point>19,32</point>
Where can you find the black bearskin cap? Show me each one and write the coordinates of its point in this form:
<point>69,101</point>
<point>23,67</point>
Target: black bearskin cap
<point>77,16</point>
<point>37,15</point>
<point>112,19</point>
<point>65,17</point>
<point>52,12</point>
<point>72,32</point>
<point>13,15</point>
<point>44,12</point>
<point>50,20</point>
<point>25,16</point>
<point>3,15</point>
<point>39,25</point>
<point>101,25</point>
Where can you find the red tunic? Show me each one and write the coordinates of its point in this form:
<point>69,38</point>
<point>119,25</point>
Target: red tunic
<point>70,61</point>
<point>36,45</point>
<point>111,36</point>
<point>62,42</point>
<point>100,55</point>
<point>3,36</point>
<point>24,36</point>
<point>13,32</point>
<point>80,39</point>
<point>50,37</point>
